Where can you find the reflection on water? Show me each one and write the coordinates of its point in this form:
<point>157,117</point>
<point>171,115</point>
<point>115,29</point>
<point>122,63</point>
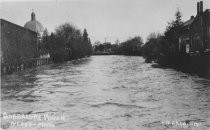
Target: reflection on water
<point>107,92</point>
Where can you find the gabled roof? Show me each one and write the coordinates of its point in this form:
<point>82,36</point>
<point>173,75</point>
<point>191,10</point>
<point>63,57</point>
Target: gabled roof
<point>188,23</point>
<point>18,26</point>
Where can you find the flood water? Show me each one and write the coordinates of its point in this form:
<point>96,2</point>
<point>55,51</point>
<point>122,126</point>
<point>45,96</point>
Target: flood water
<point>106,92</point>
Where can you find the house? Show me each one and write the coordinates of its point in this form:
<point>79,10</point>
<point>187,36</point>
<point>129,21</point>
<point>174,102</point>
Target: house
<point>196,32</point>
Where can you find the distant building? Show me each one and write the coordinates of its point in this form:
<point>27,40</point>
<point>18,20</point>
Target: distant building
<point>34,25</point>
<point>196,32</point>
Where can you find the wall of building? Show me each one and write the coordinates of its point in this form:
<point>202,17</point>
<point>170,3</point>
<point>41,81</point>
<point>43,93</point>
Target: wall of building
<point>200,33</point>
<point>17,43</point>
<point>206,24</point>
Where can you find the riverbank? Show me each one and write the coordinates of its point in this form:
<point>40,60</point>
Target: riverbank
<point>27,64</point>
<point>196,64</point>
<point>104,53</point>
<point>31,63</point>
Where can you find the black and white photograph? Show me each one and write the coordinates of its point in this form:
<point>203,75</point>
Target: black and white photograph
<point>105,64</point>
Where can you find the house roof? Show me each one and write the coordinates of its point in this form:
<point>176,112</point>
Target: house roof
<point>18,26</point>
<point>188,23</point>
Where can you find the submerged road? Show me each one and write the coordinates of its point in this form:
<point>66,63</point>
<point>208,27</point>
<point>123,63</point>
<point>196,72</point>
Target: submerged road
<point>104,92</point>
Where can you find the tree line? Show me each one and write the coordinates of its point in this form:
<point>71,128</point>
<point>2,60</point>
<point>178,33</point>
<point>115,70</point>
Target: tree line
<point>158,47</point>
<point>66,43</point>
<point>164,48</point>
<point>131,46</point>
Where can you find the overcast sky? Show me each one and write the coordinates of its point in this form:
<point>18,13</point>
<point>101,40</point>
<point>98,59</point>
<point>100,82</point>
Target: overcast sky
<point>113,19</point>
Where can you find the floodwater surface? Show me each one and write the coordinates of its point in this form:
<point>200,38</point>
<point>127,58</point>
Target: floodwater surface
<point>104,92</point>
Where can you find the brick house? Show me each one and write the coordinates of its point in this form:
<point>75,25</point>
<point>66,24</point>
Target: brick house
<point>196,32</point>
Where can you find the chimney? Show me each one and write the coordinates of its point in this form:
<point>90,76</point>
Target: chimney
<point>201,6</point>
<point>198,8</point>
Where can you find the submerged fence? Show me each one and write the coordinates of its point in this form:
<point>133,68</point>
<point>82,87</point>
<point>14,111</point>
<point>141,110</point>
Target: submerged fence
<point>30,63</point>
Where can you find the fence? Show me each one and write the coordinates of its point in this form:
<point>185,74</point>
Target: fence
<point>8,69</point>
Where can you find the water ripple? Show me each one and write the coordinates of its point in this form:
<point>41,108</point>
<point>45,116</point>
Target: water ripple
<point>108,92</point>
